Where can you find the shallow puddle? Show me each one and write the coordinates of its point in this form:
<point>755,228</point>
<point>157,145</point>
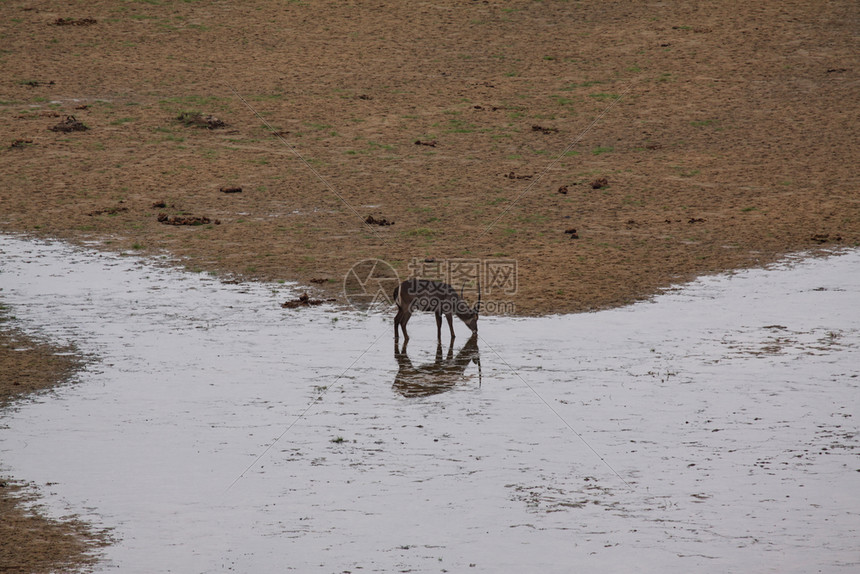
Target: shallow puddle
<point>713,428</point>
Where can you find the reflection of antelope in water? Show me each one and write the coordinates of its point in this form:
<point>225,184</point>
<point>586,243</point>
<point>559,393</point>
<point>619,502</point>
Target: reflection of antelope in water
<point>437,377</point>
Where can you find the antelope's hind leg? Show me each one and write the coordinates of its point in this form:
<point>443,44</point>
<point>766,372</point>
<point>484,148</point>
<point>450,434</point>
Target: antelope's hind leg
<point>438,326</point>
<point>450,318</point>
<point>397,322</point>
<point>404,318</point>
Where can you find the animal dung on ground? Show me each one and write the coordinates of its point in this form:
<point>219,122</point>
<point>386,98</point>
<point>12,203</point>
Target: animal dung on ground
<point>20,143</point>
<point>185,220</point>
<point>304,301</point>
<point>537,128</point>
<point>198,120</point>
<point>70,124</point>
<point>373,221</point>
<point>572,233</point>
<point>231,190</point>
<point>825,238</point>
<point>599,183</point>
<point>430,143</point>
<point>696,220</point>
<point>563,190</point>
<point>74,22</point>
<point>513,175</point>
<point>37,83</point>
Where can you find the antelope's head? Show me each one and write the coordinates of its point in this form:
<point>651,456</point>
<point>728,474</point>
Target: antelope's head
<point>470,314</point>
<point>471,320</point>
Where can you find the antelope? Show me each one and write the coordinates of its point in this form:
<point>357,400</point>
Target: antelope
<point>439,298</point>
<point>437,377</point>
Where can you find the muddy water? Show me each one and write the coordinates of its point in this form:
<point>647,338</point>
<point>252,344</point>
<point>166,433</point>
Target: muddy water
<point>715,428</point>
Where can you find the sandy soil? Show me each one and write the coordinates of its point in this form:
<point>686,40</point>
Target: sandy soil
<point>29,540</point>
<point>725,135</point>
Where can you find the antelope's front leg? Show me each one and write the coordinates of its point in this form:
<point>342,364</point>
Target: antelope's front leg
<point>439,325</point>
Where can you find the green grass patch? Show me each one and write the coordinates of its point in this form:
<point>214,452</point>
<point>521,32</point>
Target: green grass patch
<point>458,126</point>
<point>604,96</point>
<point>586,84</point>
<point>421,232</point>
<point>194,101</point>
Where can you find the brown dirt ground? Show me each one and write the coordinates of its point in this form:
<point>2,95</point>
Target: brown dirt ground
<point>28,365</point>
<point>29,540</point>
<point>734,143</point>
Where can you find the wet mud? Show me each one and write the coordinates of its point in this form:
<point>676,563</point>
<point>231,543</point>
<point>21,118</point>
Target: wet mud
<point>33,540</point>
